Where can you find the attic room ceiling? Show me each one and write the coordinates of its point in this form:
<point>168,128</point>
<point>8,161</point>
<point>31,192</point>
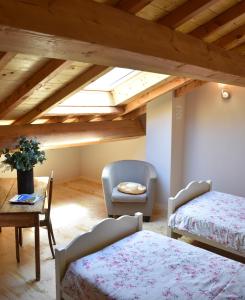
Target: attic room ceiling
<point>37,89</point>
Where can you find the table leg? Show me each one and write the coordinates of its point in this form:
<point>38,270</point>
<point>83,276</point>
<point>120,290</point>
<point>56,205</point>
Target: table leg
<point>37,247</point>
<point>17,249</point>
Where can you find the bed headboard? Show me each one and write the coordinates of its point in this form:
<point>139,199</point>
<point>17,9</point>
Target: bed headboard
<point>103,234</point>
<point>192,190</point>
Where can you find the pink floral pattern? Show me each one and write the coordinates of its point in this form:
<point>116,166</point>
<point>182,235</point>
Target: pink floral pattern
<point>215,216</point>
<point>149,266</point>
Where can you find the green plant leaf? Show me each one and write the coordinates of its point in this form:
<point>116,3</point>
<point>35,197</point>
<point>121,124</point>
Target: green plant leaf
<point>26,156</point>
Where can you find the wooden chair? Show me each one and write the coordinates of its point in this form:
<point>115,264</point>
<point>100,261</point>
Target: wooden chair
<point>45,221</point>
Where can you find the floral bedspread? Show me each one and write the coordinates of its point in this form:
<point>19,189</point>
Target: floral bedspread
<point>149,266</point>
<point>216,216</point>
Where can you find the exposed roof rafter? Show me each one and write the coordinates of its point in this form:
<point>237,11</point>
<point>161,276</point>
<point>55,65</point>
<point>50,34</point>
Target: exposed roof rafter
<point>44,74</point>
<point>132,6</point>
<point>227,16</point>
<point>5,58</point>
<point>65,91</point>
<point>185,12</point>
<point>135,113</point>
<point>233,38</point>
<point>188,87</point>
<point>153,92</point>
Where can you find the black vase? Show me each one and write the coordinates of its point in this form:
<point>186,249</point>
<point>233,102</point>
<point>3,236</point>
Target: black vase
<point>25,182</point>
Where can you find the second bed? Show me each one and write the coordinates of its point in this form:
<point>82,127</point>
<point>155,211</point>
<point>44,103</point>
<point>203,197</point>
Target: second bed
<point>211,217</point>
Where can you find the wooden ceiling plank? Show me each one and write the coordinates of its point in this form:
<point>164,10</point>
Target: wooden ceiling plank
<point>44,74</point>
<point>235,35</point>
<point>132,6</point>
<point>108,42</point>
<point>154,92</point>
<point>5,58</point>
<point>185,12</point>
<point>187,88</point>
<point>220,20</point>
<point>58,135</point>
<point>76,84</point>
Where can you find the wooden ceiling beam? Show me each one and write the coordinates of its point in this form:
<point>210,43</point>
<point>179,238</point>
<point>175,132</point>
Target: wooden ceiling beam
<point>187,88</point>
<point>71,134</point>
<point>153,92</point>
<point>5,58</point>
<point>220,20</point>
<point>76,84</point>
<point>132,6</point>
<point>44,74</point>
<point>185,12</point>
<point>108,42</point>
<point>135,113</point>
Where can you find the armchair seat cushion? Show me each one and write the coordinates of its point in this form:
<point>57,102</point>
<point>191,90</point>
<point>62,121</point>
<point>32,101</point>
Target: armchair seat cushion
<point>122,197</point>
<point>131,188</point>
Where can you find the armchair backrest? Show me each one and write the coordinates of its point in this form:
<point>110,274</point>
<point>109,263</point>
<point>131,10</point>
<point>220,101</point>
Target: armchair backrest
<point>129,170</point>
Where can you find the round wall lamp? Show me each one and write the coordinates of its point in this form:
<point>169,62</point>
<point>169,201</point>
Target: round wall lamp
<point>225,94</point>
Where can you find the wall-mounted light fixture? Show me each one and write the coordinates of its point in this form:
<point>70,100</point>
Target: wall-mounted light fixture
<point>225,94</point>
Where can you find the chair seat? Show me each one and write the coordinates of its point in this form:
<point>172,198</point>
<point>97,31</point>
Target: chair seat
<point>122,197</point>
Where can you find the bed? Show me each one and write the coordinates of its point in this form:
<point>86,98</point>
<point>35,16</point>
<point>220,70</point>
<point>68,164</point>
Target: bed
<point>211,217</point>
<point>120,261</point>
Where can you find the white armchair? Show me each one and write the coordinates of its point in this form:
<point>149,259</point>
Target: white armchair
<point>118,203</point>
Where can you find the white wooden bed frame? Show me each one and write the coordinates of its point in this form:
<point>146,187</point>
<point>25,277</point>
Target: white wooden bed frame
<point>103,234</point>
<point>191,191</point>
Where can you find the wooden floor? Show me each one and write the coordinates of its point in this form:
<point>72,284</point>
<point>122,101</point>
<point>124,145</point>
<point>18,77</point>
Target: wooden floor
<point>77,206</point>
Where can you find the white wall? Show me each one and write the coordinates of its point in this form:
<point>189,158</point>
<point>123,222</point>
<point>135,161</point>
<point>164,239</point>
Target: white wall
<point>87,161</point>
<point>158,144</point>
<point>177,151</point>
<point>65,163</point>
<point>95,157</point>
<point>215,138</point>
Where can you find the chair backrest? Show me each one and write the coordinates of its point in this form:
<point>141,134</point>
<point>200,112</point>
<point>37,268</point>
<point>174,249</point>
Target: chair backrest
<point>50,192</point>
<point>130,170</point>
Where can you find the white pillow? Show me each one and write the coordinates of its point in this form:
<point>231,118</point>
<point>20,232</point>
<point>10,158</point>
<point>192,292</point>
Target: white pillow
<point>131,188</point>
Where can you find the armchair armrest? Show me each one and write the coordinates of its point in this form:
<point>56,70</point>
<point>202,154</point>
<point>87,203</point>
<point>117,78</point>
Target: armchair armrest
<point>107,181</point>
<point>151,181</point>
<point>151,175</point>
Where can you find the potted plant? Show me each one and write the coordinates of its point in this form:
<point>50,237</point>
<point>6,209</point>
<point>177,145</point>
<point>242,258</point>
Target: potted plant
<point>23,158</point>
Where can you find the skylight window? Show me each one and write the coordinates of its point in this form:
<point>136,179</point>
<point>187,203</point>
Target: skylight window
<point>111,79</point>
<point>80,110</point>
<point>101,96</point>
<point>89,98</point>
